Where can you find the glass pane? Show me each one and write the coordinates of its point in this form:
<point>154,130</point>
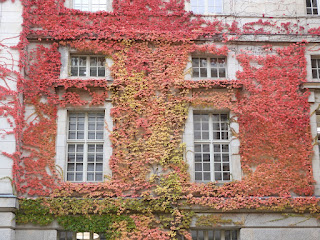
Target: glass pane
<point>226,167</point>
<point>210,235</point>
<point>90,176</point>
<point>206,157</point>
<point>90,157</point>
<point>93,61</point>
<point>72,135</point>
<point>99,135</point>
<point>198,167</point>
<point>99,148</point>
<point>101,72</point>
<point>99,177</point>
<point>214,73</point>
<point>225,148</point>
<point>217,157</point>
<point>217,167</point>
<point>224,117</point>
<point>205,135</point>
<point>206,167</point>
<point>206,176</point>
<point>91,135</point>
<point>198,176</point>
<point>217,176</point>
<point>79,167</point>
<point>79,147</point>
<point>93,72</point>
<point>74,71</point>
<point>71,158</point>
<point>225,157</point>
<point>74,62</point>
<point>206,148</point>
<point>195,72</point>
<point>91,148</point>
<point>217,235</point>
<point>226,176</point>
<point>222,73</point>
<point>91,167</point>
<point>197,135</point>
<point>99,167</point>
<point>195,62</point>
<point>197,148</point>
<point>99,157</point>
<point>197,157</point>
<point>70,167</point>
<point>203,72</point>
<point>82,61</point>
<point>200,235</point>
<point>313,63</point>
<point>213,62</point>
<point>203,62</point>
<point>71,148</point>
<point>216,147</point>
<point>70,176</point>
<point>79,177</point>
<point>82,71</point>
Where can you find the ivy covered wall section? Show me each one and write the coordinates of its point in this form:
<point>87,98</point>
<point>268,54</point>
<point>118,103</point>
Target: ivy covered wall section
<point>150,43</point>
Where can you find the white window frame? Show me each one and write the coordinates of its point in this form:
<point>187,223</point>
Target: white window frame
<point>68,235</point>
<point>104,5</point>
<point>85,142</point>
<point>315,67</point>
<point>87,66</point>
<point>204,234</point>
<point>208,68</point>
<point>212,152</point>
<point>312,7</point>
<point>194,5</point>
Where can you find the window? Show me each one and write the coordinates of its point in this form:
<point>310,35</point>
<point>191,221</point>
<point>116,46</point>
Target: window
<point>64,235</point>
<point>206,6</point>
<point>211,147</point>
<point>312,7</point>
<point>90,5</point>
<point>217,234</point>
<point>88,66</point>
<point>315,66</point>
<point>210,67</point>
<point>85,147</point>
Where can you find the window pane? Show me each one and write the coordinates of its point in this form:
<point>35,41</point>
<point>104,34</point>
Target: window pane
<point>203,72</point>
<point>93,72</point>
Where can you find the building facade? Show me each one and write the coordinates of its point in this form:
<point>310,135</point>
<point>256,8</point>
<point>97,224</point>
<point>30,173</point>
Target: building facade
<point>159,119</point>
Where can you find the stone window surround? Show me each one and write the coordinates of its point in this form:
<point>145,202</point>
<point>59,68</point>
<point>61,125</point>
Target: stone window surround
<point>209,68</point>
<point>62,130</point>
<point>188,139</point>
<point>193,5</point>
<point>70,4</point>
<point>67,52</point>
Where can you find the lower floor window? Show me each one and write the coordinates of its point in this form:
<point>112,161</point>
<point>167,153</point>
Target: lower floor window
<point>66,235</point>
<point>216,234</point>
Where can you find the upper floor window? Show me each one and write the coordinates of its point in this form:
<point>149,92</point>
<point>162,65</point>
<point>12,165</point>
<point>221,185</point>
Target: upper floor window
<point>90,5</point>
<point>208,67</point>
<point>85,145</point>
<point>88,66</point>
<point>315,66</point>
<point>312,7</point>
<point>211,147</point>
<point>206,6</point>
